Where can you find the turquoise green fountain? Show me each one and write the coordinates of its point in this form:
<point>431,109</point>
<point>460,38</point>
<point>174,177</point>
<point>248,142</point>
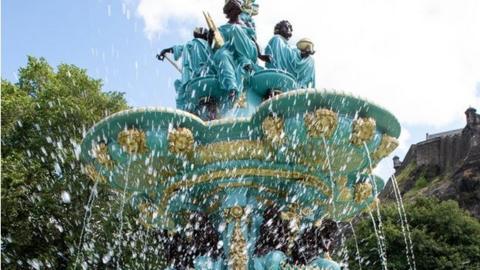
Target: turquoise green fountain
<point>217,189</point>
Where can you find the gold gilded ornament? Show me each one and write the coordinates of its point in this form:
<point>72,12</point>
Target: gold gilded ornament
<point>133,141</point>
<point>93,174</point>
<point>345,193</point>
<point>362,191</point>
<point>241,101</point>
<point>363,130</point>
<point>372,205</point>
<point>238,253</point>
<point>236,212</point>
<point>231,150</point>
<point>272,128</point>
<point>387,145</point>
<point>212,176</point>
<point>322,122</point>
<point>100,152</point>
<point>180,141</point>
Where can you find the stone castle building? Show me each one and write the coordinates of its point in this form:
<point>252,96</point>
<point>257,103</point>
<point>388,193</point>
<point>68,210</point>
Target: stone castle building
<point>447,149</point>
<point>449,162</point>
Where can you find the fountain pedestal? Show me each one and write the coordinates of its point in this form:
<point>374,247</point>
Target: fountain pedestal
<point>254,189</point>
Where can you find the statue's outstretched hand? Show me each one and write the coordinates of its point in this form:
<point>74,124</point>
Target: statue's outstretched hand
<point>162,54</point>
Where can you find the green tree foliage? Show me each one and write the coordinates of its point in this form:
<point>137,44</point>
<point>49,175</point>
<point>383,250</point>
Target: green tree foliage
<point>44,117</point>
<point>444,237</point>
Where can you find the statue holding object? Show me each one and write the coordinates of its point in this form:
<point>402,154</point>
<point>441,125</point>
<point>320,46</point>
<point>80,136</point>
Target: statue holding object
<point>196,61</point>
<point>226,58</point>
<point>296,61</point>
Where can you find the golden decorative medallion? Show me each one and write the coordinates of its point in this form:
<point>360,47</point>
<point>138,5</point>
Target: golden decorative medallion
<point>236,212</point>
<point>345,193</point>
<point>133,141</point>
<point>363,130</point>
<point>93,174</point>
<point>180,141</point>
<point>100,153</point>
<point>387,145</point>
<point>322,122</point>
<point>238,250</point>
<point>362,191</point>
<point>272,128</point>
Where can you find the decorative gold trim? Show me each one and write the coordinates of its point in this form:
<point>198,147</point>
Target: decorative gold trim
<point>180,141</point>
<point>345,193</point>
<point>235,213</point>
<point>272,128</point>
<point>305,179</point>
<point>373,205</point>
<point>100,153</point>
<point>387,145</point>
<point>133,141</point>
<point>93,174</point>
<point>322,122</point>
<point>223,186</point>
<point>241,101</point>
<point>363,130</point>
<point>238,249</point>
<point>362,191</point>
<point>232,150</point>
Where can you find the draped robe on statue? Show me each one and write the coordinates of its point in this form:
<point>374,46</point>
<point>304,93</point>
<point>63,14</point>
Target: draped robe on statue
<point>238,51</point>
<point>195,56</point>
<point>288,58</point>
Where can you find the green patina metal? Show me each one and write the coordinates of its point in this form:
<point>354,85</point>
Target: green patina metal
<point>308,151</point>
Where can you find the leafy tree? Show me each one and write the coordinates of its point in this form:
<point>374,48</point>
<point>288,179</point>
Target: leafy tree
<point>444,237</point>
<point>44,117</point>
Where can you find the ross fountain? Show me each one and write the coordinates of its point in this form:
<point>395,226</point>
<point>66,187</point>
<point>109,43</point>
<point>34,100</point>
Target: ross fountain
<point>254,169</point>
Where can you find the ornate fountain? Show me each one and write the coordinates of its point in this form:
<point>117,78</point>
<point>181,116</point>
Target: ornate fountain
<point>252,179</point>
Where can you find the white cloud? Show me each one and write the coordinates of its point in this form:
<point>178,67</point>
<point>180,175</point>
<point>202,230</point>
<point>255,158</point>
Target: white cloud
<point>418,58</point>
<point>162,16</point>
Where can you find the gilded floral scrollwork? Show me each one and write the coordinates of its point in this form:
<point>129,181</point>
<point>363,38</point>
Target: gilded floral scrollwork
<point>93,174</point>
<point>238,250</point>
<point>273,132</point>
<point>373,205</point>
<point>362,191</point>
<point>345,193</point>
<point>133,141</point>
<point>322,122</point>
<point>100,153</point>
<point>363,130</point>
<point>181,141</point>
<point>387,145</point>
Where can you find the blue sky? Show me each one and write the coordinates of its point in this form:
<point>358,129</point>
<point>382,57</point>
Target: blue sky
<point>96,35</point>
<point>418,58</point>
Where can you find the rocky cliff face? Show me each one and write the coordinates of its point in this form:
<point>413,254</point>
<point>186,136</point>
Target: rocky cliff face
<point>446,166</point>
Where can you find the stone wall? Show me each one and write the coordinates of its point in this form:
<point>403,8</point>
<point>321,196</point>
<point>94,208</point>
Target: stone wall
<point>444,152</point>
<point>448,164</point>
<point>447,151</point>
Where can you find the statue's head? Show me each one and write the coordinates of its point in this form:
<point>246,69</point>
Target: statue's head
<point>200,32</point>
<point>284,29</point>
<point>233,8</point>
